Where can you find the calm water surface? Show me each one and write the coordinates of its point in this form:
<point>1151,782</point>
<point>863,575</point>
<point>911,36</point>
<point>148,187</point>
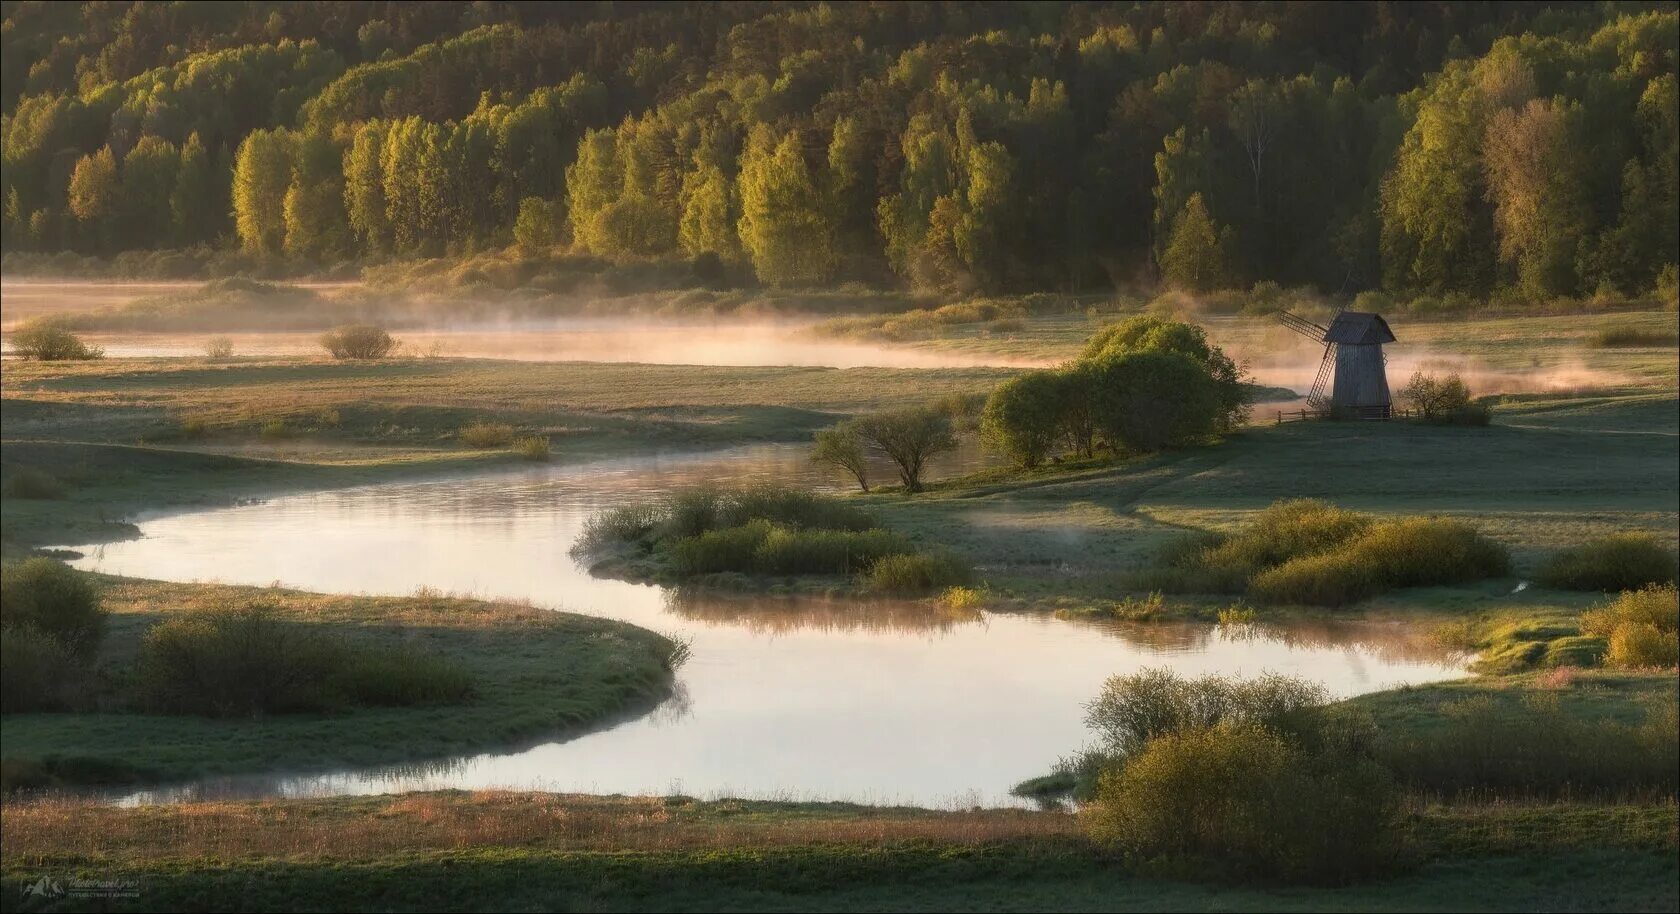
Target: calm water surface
<point>800,699</point>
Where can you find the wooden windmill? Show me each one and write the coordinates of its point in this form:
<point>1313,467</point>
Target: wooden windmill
<point>1352,380</point>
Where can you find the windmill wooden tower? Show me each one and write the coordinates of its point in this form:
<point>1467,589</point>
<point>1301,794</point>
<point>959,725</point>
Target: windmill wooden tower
<point>1352,379</point>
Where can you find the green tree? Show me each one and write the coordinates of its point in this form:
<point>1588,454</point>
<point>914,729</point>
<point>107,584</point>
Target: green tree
<point>909,438</point>
<point>784,226</point>
<point>841,447</point>
<point>190,210</point>
<point>262,173</point>
<point>1152,399</point>
<point>534,230</point>
<point>1194,258</point>
<point>364,188</point>
<point>316,225</point>
<point>94,192</point>
<point>1023,417</point>
<point>148,178</point>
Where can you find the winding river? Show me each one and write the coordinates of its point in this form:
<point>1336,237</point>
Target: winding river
<point>794,699</point>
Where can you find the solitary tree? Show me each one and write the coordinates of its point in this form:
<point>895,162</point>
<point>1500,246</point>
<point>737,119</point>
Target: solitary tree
<point>908,437</point>
<point>839,447</point>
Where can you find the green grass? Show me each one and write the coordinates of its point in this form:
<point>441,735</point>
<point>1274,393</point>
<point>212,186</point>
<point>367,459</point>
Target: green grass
<point>502,851</point>
<point>535,673</point>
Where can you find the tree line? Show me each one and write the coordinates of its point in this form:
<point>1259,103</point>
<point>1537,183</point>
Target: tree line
<point>1471,149</point>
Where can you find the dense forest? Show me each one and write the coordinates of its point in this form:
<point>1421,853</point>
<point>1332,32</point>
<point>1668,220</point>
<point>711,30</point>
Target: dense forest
<point>1474,148</point>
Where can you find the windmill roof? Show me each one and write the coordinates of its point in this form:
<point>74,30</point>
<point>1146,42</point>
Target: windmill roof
<point>1358,328</point>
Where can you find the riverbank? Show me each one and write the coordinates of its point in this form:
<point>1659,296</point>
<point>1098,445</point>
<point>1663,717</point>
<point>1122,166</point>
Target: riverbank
<point>496,851</point>
<point>536,674</point>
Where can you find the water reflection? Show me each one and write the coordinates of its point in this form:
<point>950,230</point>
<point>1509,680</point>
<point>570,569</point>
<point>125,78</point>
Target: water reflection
<point>789,697</point>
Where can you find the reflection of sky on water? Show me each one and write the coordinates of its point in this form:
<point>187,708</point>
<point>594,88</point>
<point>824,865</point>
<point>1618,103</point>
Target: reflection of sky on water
<point>807,698</point>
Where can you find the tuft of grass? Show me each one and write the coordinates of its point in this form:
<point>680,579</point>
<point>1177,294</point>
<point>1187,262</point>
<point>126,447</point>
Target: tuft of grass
<point>1621,561</point>
<point>218,347</point>
<point>487,435</point>
<point>532,447</point>
<point>963,598</point>
<point>1130,609</point>
<point>915,574</point>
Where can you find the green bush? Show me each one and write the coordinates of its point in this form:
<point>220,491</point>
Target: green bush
<point>358,341</point>
<point>1621,561</point>
<point>275,430</point>
<point>55,600</point>
<point>1640,628</point>
<point>247,663</point>
<point>916,574</point>
<point>36,671</point>
<point>1283,531</point>
<point>1136,708</point>
<point>1435,399</point>
<point>1409,552</point>
<point>1241,800</point>
<point>32,483</point>
<point>47,341</point>
<point>487,435</point>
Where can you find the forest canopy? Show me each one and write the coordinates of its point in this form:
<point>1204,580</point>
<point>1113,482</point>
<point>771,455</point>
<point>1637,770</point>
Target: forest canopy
<point>1471,148</point>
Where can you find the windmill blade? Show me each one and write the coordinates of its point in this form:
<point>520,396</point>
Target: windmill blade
<point>1301,325</point>
<point>1321,383</point>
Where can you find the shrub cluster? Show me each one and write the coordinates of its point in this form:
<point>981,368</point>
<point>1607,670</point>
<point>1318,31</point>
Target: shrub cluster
<point>1309,552</point>
<point>49,341</point>
<point>51,624</point>
<point>1140,385</point>
<point>245,662</point>
<point>358,341</point>
<point>1621,561</point>
<point>1246,801</point>
<point>1640,628</point>
<point>1246,778</point>
<point>1444,401</point>
<point>767,530</point>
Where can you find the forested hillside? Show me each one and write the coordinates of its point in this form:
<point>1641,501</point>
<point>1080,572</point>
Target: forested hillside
<point>1474,149</point>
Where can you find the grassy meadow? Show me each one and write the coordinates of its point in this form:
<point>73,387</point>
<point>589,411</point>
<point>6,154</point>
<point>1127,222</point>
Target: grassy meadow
<point>536,674</point>
<point>485,851</point>
<point>1584,443</point>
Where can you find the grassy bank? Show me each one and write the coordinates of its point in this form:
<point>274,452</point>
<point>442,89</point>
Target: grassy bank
<point>128,434</point>
<point>500,851</point>
<point>536,674</point>
<point>1553,471</point>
